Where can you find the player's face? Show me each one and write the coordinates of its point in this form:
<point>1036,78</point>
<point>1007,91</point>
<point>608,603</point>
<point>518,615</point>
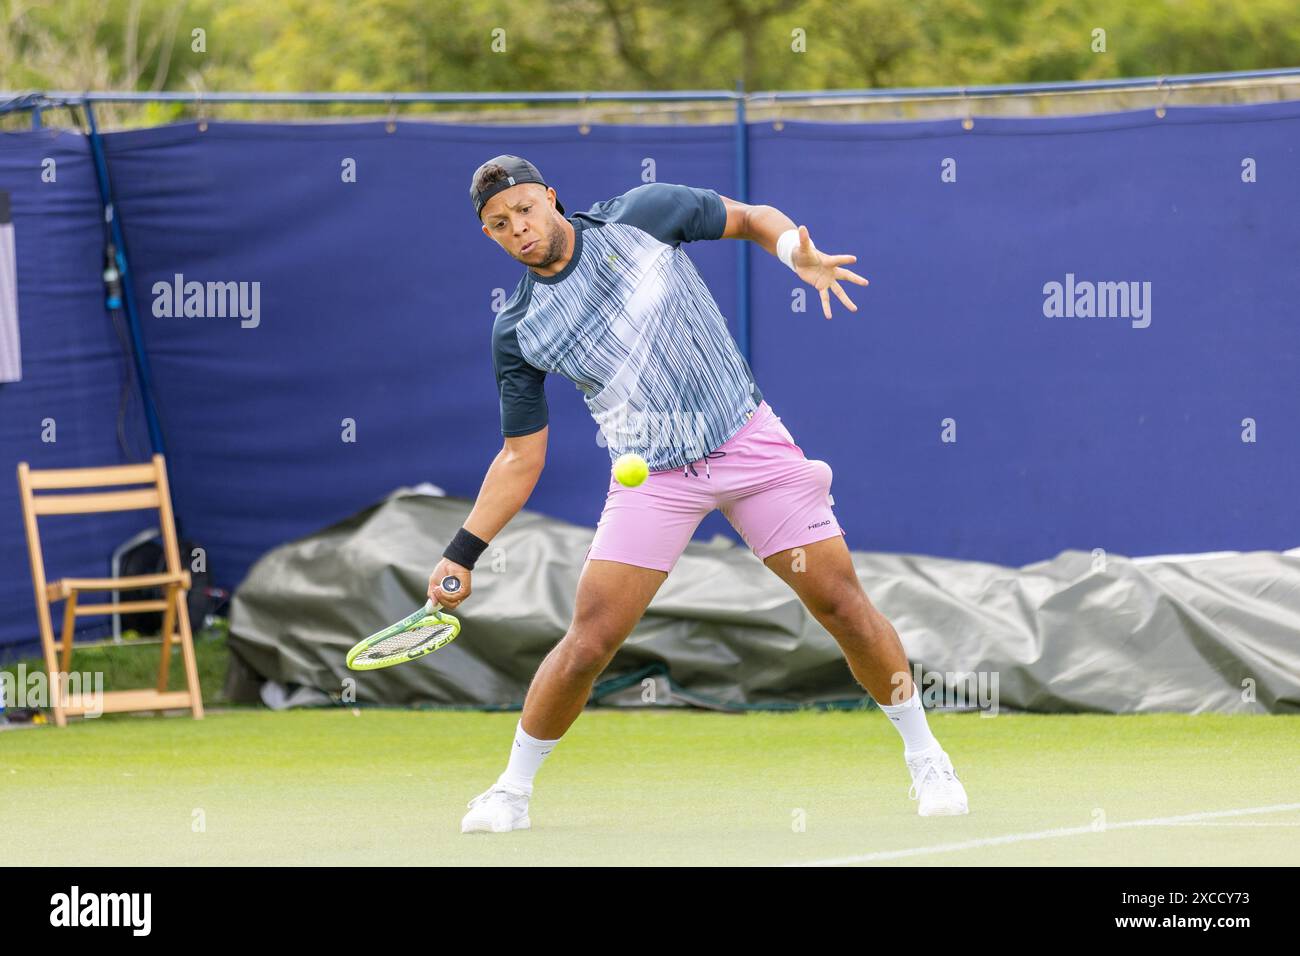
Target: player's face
<point>523,221</point>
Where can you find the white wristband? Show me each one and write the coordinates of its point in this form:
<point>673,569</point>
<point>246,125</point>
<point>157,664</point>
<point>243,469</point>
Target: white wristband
<point>786,244</point>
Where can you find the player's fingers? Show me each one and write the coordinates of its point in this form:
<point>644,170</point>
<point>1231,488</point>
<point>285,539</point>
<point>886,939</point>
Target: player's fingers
<point>461,593</point>
<point>842,273</point>
<point>843,296</point>
<point>805,241</point>
<point>836,260</point>
<point>445,598</point>
<point>826,303</point>
<point>449,601</point>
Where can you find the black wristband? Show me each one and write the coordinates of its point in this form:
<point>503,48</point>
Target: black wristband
<point>465,549</point>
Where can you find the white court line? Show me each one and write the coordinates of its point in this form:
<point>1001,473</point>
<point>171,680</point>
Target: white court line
<point>1047,835</point>
<point>1198,824</point>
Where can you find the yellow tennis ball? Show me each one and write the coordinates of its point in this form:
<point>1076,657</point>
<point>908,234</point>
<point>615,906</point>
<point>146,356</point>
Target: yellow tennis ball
<point>631,470</point>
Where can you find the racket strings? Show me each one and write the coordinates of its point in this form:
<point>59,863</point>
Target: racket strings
<point>407,642</point>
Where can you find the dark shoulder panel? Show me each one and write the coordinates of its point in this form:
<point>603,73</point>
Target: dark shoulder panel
<point>520,385</point>
<point>669,212</point>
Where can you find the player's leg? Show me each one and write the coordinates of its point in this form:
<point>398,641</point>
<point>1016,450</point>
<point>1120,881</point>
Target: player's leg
<point>782,508</point>
<point>824,578</point>
<point>612,597</point>
<point>641,533</point>
<point>785,516</point>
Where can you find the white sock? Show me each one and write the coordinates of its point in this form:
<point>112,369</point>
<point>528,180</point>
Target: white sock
<point>526,758</point>
<point>908,719</point>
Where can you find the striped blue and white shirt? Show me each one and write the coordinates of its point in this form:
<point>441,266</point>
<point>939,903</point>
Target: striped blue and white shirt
<point>630,322</point>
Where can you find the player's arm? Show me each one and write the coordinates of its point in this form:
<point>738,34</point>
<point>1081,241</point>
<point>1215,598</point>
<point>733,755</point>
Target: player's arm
<point>761,225</point>
<point>765,225</point>
<point>506,488</point>
<point>508,484</point>
<point>514,471</point>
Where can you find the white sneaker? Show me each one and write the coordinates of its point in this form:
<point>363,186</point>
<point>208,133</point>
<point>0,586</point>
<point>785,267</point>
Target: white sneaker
<point>935,782</point>
<point>499,809</point>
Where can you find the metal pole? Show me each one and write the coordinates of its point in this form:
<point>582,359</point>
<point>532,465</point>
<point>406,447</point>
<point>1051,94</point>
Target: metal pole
<point>128,291</point>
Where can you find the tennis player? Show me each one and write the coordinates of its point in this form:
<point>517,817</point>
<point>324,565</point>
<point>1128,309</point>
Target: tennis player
<point>610,301</point>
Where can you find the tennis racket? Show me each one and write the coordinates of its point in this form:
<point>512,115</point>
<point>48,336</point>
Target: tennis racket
<point>417,634</point>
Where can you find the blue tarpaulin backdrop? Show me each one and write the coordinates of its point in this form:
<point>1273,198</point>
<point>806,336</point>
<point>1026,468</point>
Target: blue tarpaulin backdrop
<point>64,411</point>
<point>375,304</point>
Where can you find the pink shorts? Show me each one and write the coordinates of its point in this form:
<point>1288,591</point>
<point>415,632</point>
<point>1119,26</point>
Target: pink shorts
<point>773,496</point>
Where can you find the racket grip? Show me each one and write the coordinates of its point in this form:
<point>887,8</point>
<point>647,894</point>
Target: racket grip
<point>450,584</point>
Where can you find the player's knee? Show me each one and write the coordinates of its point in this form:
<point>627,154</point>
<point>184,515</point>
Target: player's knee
<point>583,655</point>
<point>844,607</point>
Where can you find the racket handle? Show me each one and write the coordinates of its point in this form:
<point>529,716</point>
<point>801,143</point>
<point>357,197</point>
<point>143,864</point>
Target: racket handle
<point>450,584</point>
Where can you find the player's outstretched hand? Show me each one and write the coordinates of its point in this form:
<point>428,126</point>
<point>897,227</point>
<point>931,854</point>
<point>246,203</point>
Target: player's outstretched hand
<point>824,272</point>
<point>445,567</point>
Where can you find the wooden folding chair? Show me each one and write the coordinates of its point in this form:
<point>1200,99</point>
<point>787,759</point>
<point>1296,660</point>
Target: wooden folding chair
<point>175,582</point>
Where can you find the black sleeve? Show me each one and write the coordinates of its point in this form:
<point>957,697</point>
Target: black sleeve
<point>520,385</point>
<point>670,212</point>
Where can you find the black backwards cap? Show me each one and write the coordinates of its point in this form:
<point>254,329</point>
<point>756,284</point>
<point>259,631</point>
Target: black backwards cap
<point>518,171</point>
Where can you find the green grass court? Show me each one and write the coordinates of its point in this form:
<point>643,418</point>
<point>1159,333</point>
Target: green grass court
<point>648,788</point>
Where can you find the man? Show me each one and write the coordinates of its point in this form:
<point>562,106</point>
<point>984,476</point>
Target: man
<point>611,302</point>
